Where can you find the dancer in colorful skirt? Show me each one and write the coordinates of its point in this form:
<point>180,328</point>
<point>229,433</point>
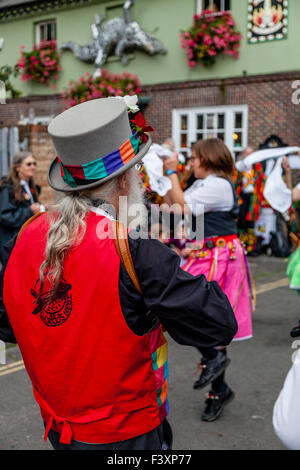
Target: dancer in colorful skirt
<point>220,256</point>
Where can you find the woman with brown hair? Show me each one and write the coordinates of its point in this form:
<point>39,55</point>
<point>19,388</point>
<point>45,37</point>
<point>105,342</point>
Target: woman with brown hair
<point>18,196</point>
<point>219,256</point>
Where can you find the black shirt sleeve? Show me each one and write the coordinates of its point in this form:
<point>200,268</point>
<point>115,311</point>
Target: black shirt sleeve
<point>193,311</point>
<point>12,213</point>
<point>6,331</point>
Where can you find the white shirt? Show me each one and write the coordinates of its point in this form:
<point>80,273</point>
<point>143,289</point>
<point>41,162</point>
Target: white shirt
<point>213,192</point>
<point>27,189</point>
<point>286,413</point>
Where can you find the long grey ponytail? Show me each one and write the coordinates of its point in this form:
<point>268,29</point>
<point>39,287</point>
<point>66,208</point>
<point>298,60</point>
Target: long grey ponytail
<point>67,229</point>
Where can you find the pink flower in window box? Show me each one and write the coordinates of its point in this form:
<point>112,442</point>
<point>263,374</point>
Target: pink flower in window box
<point>210,36</point>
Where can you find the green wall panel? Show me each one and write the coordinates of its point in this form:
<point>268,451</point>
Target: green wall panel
<point>164,19</point>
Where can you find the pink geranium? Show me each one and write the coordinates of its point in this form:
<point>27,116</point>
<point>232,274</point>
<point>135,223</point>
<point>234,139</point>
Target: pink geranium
<point>110,90</point>
<point>41,64</point>
<point>108,84</point>
<point>25,77</point>
<point>210,36</point>
<point>219,42</point>
<point>21,63</point>
<point>212,52</point>
<point>207,40</point>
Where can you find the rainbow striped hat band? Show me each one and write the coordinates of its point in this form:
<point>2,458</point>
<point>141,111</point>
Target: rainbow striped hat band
<point>76,175</point>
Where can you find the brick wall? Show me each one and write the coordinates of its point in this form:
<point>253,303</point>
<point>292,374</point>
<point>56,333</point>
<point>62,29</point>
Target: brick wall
<point>269,98</point>
<point>43,106</point>
<point>43,150</point>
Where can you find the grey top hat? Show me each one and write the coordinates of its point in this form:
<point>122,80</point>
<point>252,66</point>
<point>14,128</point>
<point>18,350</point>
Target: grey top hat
<point>88,132</point>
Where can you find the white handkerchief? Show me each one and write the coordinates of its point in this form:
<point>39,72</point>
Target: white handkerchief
<point>154,166</point>
<point>276,191</point>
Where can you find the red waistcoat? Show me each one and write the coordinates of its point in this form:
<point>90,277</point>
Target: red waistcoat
<point>94,379</point>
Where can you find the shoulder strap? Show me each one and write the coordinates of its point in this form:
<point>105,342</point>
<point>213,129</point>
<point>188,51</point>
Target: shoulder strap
<point>122,247</point>
<point>35,216</point>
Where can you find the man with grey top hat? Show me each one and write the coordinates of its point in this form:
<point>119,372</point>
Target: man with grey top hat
<point>96,359</point>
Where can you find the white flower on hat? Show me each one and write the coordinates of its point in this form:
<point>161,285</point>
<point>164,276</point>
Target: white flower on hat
<point>131,102</point>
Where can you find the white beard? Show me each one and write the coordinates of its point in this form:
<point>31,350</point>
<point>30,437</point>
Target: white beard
<point>136,213</point>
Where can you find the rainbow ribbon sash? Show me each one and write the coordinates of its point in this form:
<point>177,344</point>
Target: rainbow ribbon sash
<point>75,175</point>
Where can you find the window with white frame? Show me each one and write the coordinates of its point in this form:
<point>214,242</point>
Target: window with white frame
<point>213,5</point>
<point>229,123</point>
<point>45,31</point>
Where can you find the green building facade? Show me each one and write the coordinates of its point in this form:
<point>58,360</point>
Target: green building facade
<point>165,18</point>
<point>243,100</point>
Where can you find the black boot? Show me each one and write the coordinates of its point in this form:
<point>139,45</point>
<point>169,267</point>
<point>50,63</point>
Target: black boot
<point>215,404</point>
<point>211,369</point>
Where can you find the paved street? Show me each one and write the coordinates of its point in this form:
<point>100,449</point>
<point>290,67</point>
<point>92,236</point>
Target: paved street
<point>256,374</point>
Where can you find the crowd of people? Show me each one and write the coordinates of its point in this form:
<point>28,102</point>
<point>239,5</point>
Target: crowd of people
<point>90,281</point>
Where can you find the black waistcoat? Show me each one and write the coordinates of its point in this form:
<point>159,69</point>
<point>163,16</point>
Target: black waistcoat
<point>220,223</point>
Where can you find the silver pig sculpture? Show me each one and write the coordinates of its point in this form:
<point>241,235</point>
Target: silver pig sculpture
<point>115,37</point>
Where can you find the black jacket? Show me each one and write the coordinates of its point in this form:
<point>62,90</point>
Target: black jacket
<point>13,214</point>
<point>193,311</point>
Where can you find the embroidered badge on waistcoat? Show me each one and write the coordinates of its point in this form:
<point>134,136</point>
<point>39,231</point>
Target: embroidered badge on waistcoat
<point>56,311</point>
